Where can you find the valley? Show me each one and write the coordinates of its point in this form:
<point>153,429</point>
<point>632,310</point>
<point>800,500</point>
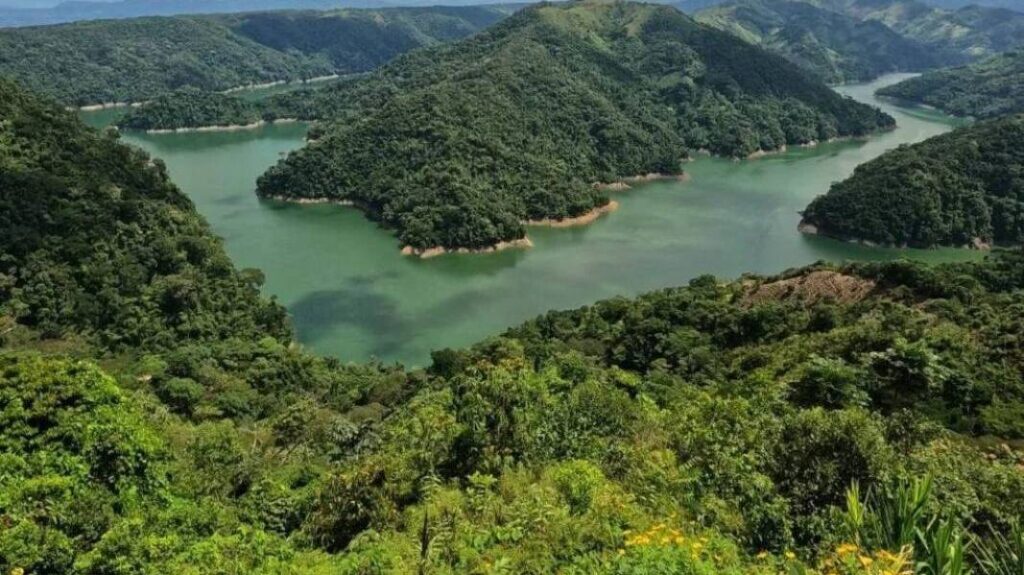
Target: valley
<point>353,295</point>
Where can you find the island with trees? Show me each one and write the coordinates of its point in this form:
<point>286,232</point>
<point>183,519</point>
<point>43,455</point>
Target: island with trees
<point>964,188</point>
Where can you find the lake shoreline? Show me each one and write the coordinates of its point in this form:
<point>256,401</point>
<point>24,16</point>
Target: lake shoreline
<point>427,253</point>
<point>105,106</point>
<point>111,105</point>
<point>309,201</point>
<point>576,221</point>
<point>809,229</point>
<point>521,243</point>
<point>227,128</point>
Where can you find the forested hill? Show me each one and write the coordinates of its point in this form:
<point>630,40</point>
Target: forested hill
<point>156,419</point>
<point>97,241</point>
<point>965,187</point>
<point>986,89</point>
<point>836,47</point>
<point>136,60</point>
<point>456,146</point>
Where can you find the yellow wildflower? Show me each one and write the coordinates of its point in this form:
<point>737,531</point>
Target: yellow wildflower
<point>886,555</point>
<point>865,560</point>
<point>762,555</point>
<point>790,555</point>
<point>846,548</point>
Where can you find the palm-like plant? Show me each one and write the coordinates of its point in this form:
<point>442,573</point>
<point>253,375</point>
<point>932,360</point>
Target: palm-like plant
<point>941,549</point>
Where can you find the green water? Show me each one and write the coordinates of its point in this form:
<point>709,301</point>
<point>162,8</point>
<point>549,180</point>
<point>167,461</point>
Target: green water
<point>352,294</point>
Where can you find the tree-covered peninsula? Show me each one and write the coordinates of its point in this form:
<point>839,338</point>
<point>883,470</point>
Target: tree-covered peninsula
<point>459,145</point>
<point>961,188</point>
<point>119,61</point>
<point>189,109</point>
<point>157,418</point>
<point>986,89</point>
<point>837,47</point>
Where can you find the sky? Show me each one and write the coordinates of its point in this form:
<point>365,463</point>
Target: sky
<point>35,3</point>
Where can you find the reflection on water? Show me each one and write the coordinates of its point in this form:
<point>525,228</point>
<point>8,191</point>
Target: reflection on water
<point>352,294</point>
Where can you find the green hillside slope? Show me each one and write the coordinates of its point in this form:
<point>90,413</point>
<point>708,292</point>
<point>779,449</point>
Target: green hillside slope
<point>986,89</point>
<point>134,60</point>
<point>961,188</point>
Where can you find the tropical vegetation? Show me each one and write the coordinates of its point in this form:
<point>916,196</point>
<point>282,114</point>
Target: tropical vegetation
<point>156,416</point>
<point>191,108</point>
<point>961,188</point>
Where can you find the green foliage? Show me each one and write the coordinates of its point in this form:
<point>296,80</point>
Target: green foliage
<point>897,516</point>
<point>190,108</point>
<point>74,450</point>
<point>1001,552</point>
<point>987,89</point>
<point>959,189</point>
<point>135,266</point>
<point>137,59</point>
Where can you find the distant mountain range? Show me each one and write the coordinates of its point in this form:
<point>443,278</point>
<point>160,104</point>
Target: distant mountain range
<point>853,40</point>
<point>94,10</point>
<point>21,12</point>
<point>954,4</point>
<point>132,60</point>
<point>837,47</point>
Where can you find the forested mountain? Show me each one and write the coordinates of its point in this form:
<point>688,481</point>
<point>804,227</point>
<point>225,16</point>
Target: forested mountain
<point>835,46</point>
<point>965,187</point>
<point>986,89</point>
<point>457,146</point>
<point>156,419</point>
<point>135,60</point>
